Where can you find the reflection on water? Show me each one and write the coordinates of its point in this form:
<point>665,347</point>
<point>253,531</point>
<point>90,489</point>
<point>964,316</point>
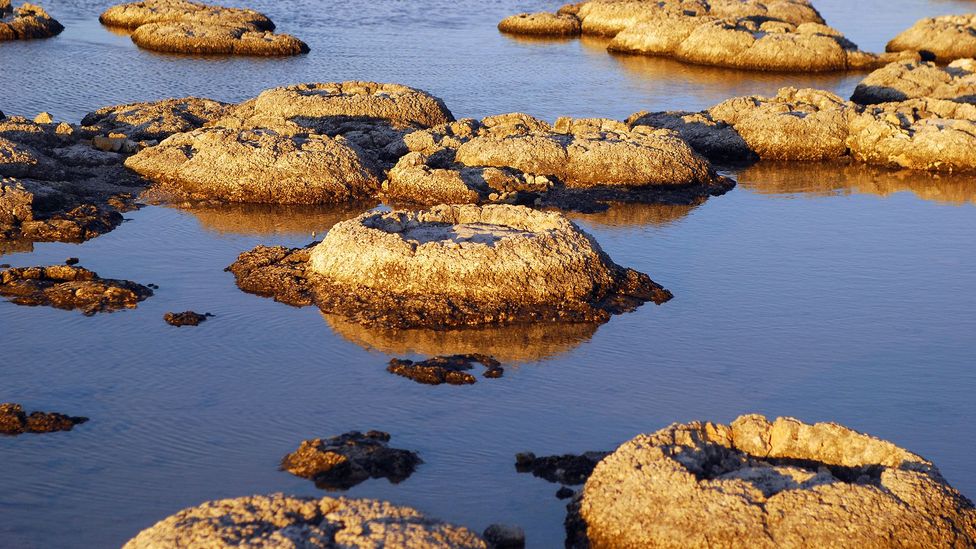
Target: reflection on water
<point>822,179</point>
<point>636,215</point>
<point>508,344</point>
<point>273,219</point>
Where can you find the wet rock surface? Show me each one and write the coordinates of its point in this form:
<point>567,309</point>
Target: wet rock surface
<point>452,266</point>
<point>204,39</point>
<point>452,369</point>
<point>565,469</point>
<point>943,38</point>
<point>186,318</point>
<point>917,79</point>
<point>781,484</point>
<point>27,22</point>
<point>69,287</point>
<point>156,120</point>
<point>341,462</point>
<point>283,521</point>
<point>15,421</point>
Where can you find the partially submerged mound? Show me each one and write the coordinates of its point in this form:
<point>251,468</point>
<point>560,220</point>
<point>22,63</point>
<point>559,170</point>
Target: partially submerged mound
<point>69,287</point>
<point>452,369</point>
<point>341,462</point>
<point>186,318</point>
<point>204,39</point>
<point>284,521</point>
<point>762,484</point>
<point>258,166</point>
<point>919,134</point>
<point>917,79</point>
<point>565,469</point>
<point>943,38</point>
<point>14,421</point>
<point>541,24</point>
<point>27,22</point>
<point>452,266</point>
<point>136,14</point>
<point>155,120</point>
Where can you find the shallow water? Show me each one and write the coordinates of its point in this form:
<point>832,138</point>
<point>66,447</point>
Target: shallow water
<point>821,292</point>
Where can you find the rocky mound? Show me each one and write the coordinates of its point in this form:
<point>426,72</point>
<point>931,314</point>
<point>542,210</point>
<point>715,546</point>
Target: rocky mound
<point>919,134</point>
<point>451,266</point>
<point>451,369</point>
<point>136,14</point>
<point>14,421</point>
<point>769,484</point>
<point>27,22</point>
<point>69,287</point>
<point>944,38</point>
<point>155,120</point>
<point>283,521</point>
<point>259,166</point>
<point>541,24</point>
<point>716,140</point>
<point>186,318</point>
<point>916,79</point>
<point>204,39</point>
<point>517,159</point>
<point>341,462</point>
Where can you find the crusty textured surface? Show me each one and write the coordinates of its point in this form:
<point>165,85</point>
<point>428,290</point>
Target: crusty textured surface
<point>916,79</point>
<point>757,483</point>
<point>205,39</point>
<point>947,37</point>
<point>68,287</point>
<point>29,21</point>
<point>136,14</point>
<point>157,119</point>
<point>541,24</point>
<point>279,521</point>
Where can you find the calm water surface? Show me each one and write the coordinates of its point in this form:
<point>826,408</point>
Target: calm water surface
<point>821,292</point>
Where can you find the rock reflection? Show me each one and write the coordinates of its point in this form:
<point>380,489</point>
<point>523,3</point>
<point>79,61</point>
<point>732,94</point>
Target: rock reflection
<point>823,179</point>
<point>509,344</point>
<point>274,219</point>
<point>636,215</point>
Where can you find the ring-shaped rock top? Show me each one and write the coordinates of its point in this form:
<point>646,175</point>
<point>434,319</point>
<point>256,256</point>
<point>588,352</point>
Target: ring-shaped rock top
<point>136,14</point>
<point>762,484</point>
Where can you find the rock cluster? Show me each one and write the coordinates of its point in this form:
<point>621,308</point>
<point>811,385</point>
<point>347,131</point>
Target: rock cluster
<point>917,79</point>
<point>27,22</point>
<point>69,287</point>
<point>452,369</point>
<point>283,521</point>
<point>341,462</point>
<point>14,421</point>
<point>943,38</point>
<point>757,483</point>
<point>565,469</point>
<point>450,266</point>
<point>155,121</point>
<point>181,26</point>
<point>186,318</point>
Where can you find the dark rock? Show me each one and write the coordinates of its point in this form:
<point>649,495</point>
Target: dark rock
<point>565,493</point>
<point>566,469</point>
<point>14,421</point>
<point>445,369</point>
<point>503,536</point>
<point>186,318</point>
<point>71,261</point>
<point>67,287</point>
<point>343,461</point>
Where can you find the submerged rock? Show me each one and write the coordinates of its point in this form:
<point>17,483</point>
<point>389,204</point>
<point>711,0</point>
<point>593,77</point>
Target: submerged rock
<point>136,14</point>
<point>445,369</point>
<point>916,79</point>
<point>201,38</point>
<point>284,521</point>
<point>541,24</point>
<point>768,484</point>
<point>155,120</point>
<point>69,287</point>
<point>943,38</point>
<point>186,318</point>
<point>343,461</point>
<point>565,469</point>
<point>14,421</point>
<point>259,165</point>
<point>452,266</point>
<point>27,22</point>
<point>503,536</point>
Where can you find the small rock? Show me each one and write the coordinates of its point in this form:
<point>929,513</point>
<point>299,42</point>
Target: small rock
<point>186,318</point>
<point>44,118</point>
<point>71,261</point>
<point>69,287</point>
<point>14,421</point>
<point>445,369</point>
<point>565,493</point>
<point>502,536</point>
<point>343,461</point>
<point>566,469</point>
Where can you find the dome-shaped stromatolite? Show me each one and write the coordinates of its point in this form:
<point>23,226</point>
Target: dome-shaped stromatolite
<point>945,38</point>
<point>258,166</point>
<point>541,24</point>
<point>283,521</point>
<point>136,14</point>
<point>758,484</point>
<point>204,39</point>
<point>155,120</point>
<point>451,266</point>
<point>27,22</point>
<point>916,79</point>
